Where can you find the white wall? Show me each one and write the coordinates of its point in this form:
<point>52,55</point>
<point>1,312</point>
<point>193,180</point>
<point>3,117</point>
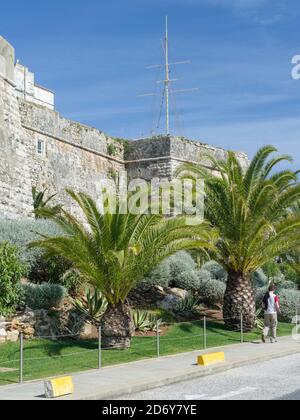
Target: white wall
<point>26,88</point>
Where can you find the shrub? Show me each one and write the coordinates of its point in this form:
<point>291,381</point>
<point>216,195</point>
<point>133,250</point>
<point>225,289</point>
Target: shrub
<point>205,276</point>
<point>49,270</point>
<point>21,232</point>
<point>259,295</point>
<point>44,296</point>
<point>287,285</point>
<point>171,272</point>
<point>289,273</point>
<point>271,269</point>
<point>259,279</point>
<point>11,272</point>
<point>212,291</point>
<point>216,271</point>
<point>160,276</point>
<point>188,280</point>
<point>72,281</point>
<point>289,303</point>
<point>181,262</point>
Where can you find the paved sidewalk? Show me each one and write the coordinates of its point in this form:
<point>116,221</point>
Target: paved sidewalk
<point>114,382</point>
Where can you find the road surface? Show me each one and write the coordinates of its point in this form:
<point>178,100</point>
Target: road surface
<point>278,379</point>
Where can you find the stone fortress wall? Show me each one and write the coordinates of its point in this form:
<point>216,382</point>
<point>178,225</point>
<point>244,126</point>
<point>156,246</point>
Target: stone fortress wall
<point>40,148</point>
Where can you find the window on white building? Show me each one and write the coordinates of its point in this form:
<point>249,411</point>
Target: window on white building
<point>40,147</point>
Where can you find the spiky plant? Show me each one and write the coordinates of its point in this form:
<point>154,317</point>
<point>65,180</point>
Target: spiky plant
<point>40,201</point>
<point>92,306</point>
<point>113,252</point>
<point>249,209</point>
<point>145,321</point>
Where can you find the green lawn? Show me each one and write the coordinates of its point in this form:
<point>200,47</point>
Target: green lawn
<point>44,358</point>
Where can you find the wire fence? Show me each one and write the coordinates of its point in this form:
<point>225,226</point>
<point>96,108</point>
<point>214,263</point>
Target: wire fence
<point>44,356</point>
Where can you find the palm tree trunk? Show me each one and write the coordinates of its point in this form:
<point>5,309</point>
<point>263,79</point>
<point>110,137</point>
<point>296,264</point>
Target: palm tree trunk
<point>117,327</point>
<point>239,299</point>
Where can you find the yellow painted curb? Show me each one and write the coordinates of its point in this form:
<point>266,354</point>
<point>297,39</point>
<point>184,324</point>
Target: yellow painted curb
<point>59,387</point>
<point>208,359</point>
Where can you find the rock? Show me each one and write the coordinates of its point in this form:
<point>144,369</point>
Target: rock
<point>89,332</point>
<point>3,333</point>
<point>146,296</point>
<point>181,293</point>
<point>28,317</point>
<point>15,325</point>
<point>12,336</point>
<point>173,297</point>
<point>28,332</point>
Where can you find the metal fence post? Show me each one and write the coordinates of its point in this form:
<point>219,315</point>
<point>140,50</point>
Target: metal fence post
<point>21,358</point>
<point>99,348</point>
<point>204,333</point>
<point>157,340</point>
<point>242,328</point>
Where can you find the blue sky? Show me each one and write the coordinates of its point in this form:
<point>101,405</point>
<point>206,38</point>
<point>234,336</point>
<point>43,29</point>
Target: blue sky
<point>93,54</point>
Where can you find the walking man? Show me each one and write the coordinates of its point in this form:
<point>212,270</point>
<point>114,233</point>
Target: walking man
<point>272,308</point>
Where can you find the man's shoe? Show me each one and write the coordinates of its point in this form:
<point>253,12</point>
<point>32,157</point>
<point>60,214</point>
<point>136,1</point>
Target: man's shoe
<point>263,338</point>
<point>273,340</point>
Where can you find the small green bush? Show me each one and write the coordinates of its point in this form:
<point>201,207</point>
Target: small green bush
<point>289,273</point>
<point>188,280</point>
<point>11,272</point>
<point>216,271</point>
<point>72,281</point>
<point>259,295</point>
<point>289,304</point>
<point>259,279</point>
<point>212,291</point>
<point>170,273</point>
<point>181,262</point>
<point>205,276</point>
<point>160,276</point>
<point>112,149</point>
<point>287,285</point>
<point>271,269</point>
<point>21,232</point>
<point>44,296</point>
<point>50,270</point>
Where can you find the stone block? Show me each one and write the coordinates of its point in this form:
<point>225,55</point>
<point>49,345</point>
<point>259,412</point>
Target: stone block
<point>12,336</point>
<point>3,333</point>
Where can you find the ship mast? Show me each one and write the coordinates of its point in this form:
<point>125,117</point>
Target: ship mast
<point>167,91</point>
<point>167,81</point>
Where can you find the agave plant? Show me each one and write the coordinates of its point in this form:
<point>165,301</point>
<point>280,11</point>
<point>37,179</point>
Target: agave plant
<point>145,321</point>
<point>113,252</point>
<point>40,201</point>
<point>93,306</point>
<point>249,209</point>
<point>188,304</point>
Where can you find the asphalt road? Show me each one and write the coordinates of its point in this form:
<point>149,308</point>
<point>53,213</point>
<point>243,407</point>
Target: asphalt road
<point>278,379</point>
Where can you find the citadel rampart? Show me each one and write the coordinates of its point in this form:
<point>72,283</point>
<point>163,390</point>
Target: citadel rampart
<point>40,148</point>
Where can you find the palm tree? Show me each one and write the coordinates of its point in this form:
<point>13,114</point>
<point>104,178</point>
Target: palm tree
<point>113,252</point>
<point>249,209</point>
<point>293,257</point>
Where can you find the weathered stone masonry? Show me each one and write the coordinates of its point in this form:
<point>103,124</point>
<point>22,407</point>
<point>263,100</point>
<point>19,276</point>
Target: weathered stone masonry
<point>41,148</point>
